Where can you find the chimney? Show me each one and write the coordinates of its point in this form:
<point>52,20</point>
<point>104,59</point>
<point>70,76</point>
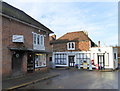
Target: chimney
<point>86,32</point>
<point>53,37</point>
<point>98,43</point>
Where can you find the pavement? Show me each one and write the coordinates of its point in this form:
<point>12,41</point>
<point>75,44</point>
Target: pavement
<point>31,78</point>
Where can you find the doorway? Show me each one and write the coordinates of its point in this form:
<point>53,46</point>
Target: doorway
<point>101,61</point>
<point>71,61</point>
<point>17,63</point>
<point>30,62</point>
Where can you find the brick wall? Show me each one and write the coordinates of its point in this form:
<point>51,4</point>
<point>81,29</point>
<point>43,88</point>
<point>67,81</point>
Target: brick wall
<point>83,46</point>
<point>11,27</point>
<point>79,46</point>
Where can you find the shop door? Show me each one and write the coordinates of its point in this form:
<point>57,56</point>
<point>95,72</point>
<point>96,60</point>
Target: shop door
<point>71,61</point>
<point>17,63</point>
<point>30,62</point>
<point>101,61</point>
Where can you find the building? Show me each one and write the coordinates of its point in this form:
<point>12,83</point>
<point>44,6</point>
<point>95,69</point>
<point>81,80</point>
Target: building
<point>66,47</point>
<point>76,48</point>
<point>25,42</point>
<point>72,41</point>
<point>118,48</point>
<point>105,56</point>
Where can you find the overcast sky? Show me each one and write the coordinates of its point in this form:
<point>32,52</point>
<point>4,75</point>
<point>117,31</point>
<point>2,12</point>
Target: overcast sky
<point>100,19</point>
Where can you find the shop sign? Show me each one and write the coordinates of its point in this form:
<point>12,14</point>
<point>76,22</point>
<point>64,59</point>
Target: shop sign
<point>18,38</point>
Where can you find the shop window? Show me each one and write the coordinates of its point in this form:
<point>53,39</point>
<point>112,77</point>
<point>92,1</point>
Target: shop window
<point>71,46</point>
<point>40,60</point>
<point>60,59</point>
<point>83,57</point>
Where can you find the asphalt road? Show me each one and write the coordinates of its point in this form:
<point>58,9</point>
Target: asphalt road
<point>76,79</point>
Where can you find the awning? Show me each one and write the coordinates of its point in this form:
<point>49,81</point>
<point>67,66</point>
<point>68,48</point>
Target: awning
<point>29,50</point>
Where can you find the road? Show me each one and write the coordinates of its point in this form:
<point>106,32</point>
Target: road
<point>77,79</point>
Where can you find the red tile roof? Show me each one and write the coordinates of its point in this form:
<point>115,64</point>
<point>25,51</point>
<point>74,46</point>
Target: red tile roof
<point>79,35</point>
<point>72,36</point>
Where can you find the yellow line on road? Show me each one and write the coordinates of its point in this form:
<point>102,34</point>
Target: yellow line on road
<point>20,85</point>
<point>25,84</point>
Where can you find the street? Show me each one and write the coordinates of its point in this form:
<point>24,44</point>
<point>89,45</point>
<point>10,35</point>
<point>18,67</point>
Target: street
<point>79,79</point>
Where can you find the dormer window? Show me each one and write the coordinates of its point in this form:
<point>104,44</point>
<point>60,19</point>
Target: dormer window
<point>71,46</point>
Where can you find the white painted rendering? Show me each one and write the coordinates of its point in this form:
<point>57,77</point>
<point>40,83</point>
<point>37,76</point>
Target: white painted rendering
<point>108,53</point>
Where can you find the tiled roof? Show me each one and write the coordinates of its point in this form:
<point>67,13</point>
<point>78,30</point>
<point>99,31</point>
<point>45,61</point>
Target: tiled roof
<point>79,35</point>
<point>22,16</point>
<point>73,36</point>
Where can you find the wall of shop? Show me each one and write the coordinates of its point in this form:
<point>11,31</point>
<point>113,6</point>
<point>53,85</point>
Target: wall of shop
<point>61,58</point>
<point>12,27</point>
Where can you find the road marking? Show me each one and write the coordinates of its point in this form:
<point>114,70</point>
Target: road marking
<point>25,84</point>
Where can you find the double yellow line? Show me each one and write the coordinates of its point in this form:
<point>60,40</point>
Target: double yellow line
<point>25,84</point>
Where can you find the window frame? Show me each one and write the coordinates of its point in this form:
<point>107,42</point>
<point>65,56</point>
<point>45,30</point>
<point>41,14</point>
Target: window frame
<point>42,40</point>
<point>35,38</point>
<point>71,46</point>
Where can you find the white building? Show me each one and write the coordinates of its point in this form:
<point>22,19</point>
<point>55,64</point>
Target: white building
<point>106,56</point>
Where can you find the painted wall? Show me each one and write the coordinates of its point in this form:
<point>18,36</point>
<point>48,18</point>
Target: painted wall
<point>108,52</point>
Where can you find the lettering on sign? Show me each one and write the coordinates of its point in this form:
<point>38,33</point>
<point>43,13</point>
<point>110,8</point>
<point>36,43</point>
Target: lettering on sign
<point>18,38</point>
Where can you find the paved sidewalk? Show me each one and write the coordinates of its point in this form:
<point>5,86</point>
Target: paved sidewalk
<point>27,79</point>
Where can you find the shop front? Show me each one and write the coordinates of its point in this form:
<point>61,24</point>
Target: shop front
<point>100,57</point>
<point>40,61</point>
<point>36,61</point>
<point>27,61</point>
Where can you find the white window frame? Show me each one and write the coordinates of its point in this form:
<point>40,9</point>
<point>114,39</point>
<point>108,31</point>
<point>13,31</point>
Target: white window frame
<point>70,47</point>
<point>37,45</point>
<point>34,38</point>
<point>42,40</point>
<point>38,36</point>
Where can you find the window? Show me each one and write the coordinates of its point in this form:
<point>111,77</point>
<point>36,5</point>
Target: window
<point>71,46</point>
<point>35,37</point>
<point>40,60</point>
<point>42,40</point>
<point>38,39</point>
<point>82,57</point>
<point>115,56</point>
<point>60,59</point>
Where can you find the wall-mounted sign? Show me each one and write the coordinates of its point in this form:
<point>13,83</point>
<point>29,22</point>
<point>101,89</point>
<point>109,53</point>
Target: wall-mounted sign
<point>18,38</point>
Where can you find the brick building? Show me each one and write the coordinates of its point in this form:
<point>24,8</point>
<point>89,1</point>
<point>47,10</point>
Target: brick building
<point>73,41</point>
<point>76,48</point>
<point>66,47</point>
<point>25,42</point>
